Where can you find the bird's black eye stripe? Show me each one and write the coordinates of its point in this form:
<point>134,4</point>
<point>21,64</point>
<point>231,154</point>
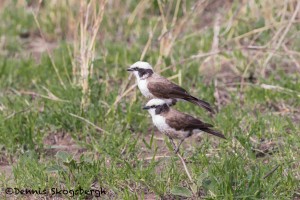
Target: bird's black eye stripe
<point>142,72</point>
<point>152,107</point>
<point>135,68</point>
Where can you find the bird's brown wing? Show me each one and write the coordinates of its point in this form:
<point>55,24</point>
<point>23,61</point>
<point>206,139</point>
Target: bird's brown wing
<point>163,88</point>
<point>182,121</point>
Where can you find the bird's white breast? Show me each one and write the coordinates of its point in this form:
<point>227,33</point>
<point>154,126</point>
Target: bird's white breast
<point>162,126</point>
<point>142,84</point>
<point>160,123</point>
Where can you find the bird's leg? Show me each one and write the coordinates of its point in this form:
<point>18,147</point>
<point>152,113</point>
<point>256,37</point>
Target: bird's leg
<point>181,141</point>
<point>172,142</point>
<point>177,149</point>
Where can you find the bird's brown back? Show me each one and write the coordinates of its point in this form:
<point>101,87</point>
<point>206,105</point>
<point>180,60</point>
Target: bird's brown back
<point>163,88</point>
<point>182,121</point>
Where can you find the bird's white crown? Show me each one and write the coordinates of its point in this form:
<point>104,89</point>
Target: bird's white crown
<point>141,65</point>
<point>156,102</point>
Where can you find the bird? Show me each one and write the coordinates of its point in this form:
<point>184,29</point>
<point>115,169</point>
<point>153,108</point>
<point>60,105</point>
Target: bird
<point>175,124</point>
<point>152,85</point>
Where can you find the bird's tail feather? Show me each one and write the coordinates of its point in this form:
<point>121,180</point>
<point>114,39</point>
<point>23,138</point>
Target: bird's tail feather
<point>201,103</point>
<point>214,132</point>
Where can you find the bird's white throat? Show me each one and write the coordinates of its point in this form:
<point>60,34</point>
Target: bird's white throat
<point>152,112</point>
<point>142,84</point>
<point>159,121</point>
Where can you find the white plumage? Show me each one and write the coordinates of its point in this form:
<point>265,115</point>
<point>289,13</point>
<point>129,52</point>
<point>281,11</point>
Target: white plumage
<point>142,84</point>
<point>160,121</point>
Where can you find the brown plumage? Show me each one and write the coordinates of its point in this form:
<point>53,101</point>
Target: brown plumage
<point>162,88</point>
<point>184,122</point>
<point>175,124</point>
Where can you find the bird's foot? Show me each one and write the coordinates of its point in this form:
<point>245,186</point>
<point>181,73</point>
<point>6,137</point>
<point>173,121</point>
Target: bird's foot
<point>176,150</point>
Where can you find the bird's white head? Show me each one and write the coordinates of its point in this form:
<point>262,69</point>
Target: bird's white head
<point>156,106</point>
<point>141,70</point>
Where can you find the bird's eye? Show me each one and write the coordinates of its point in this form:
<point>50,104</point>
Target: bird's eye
<point>135,68</point>
<point>152,106</point>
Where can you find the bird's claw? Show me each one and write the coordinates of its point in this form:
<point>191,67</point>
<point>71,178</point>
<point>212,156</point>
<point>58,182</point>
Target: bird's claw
<point>176,150</point>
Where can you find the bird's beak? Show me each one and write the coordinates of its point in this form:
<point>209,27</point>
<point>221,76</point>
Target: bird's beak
<point>146,107</point>
<point>130,70</point>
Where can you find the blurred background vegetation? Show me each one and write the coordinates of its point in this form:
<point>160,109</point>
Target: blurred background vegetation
<point>70,115</point>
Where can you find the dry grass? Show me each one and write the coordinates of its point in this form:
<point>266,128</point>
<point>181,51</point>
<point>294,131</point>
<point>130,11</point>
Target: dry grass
<point>90,18</point>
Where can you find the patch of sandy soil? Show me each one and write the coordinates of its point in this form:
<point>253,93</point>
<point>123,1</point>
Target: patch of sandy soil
<point>54,142</point>
<point>212,8</point>
<point>37,45</point>
<point>5,166</point>
<point>61,141</point>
